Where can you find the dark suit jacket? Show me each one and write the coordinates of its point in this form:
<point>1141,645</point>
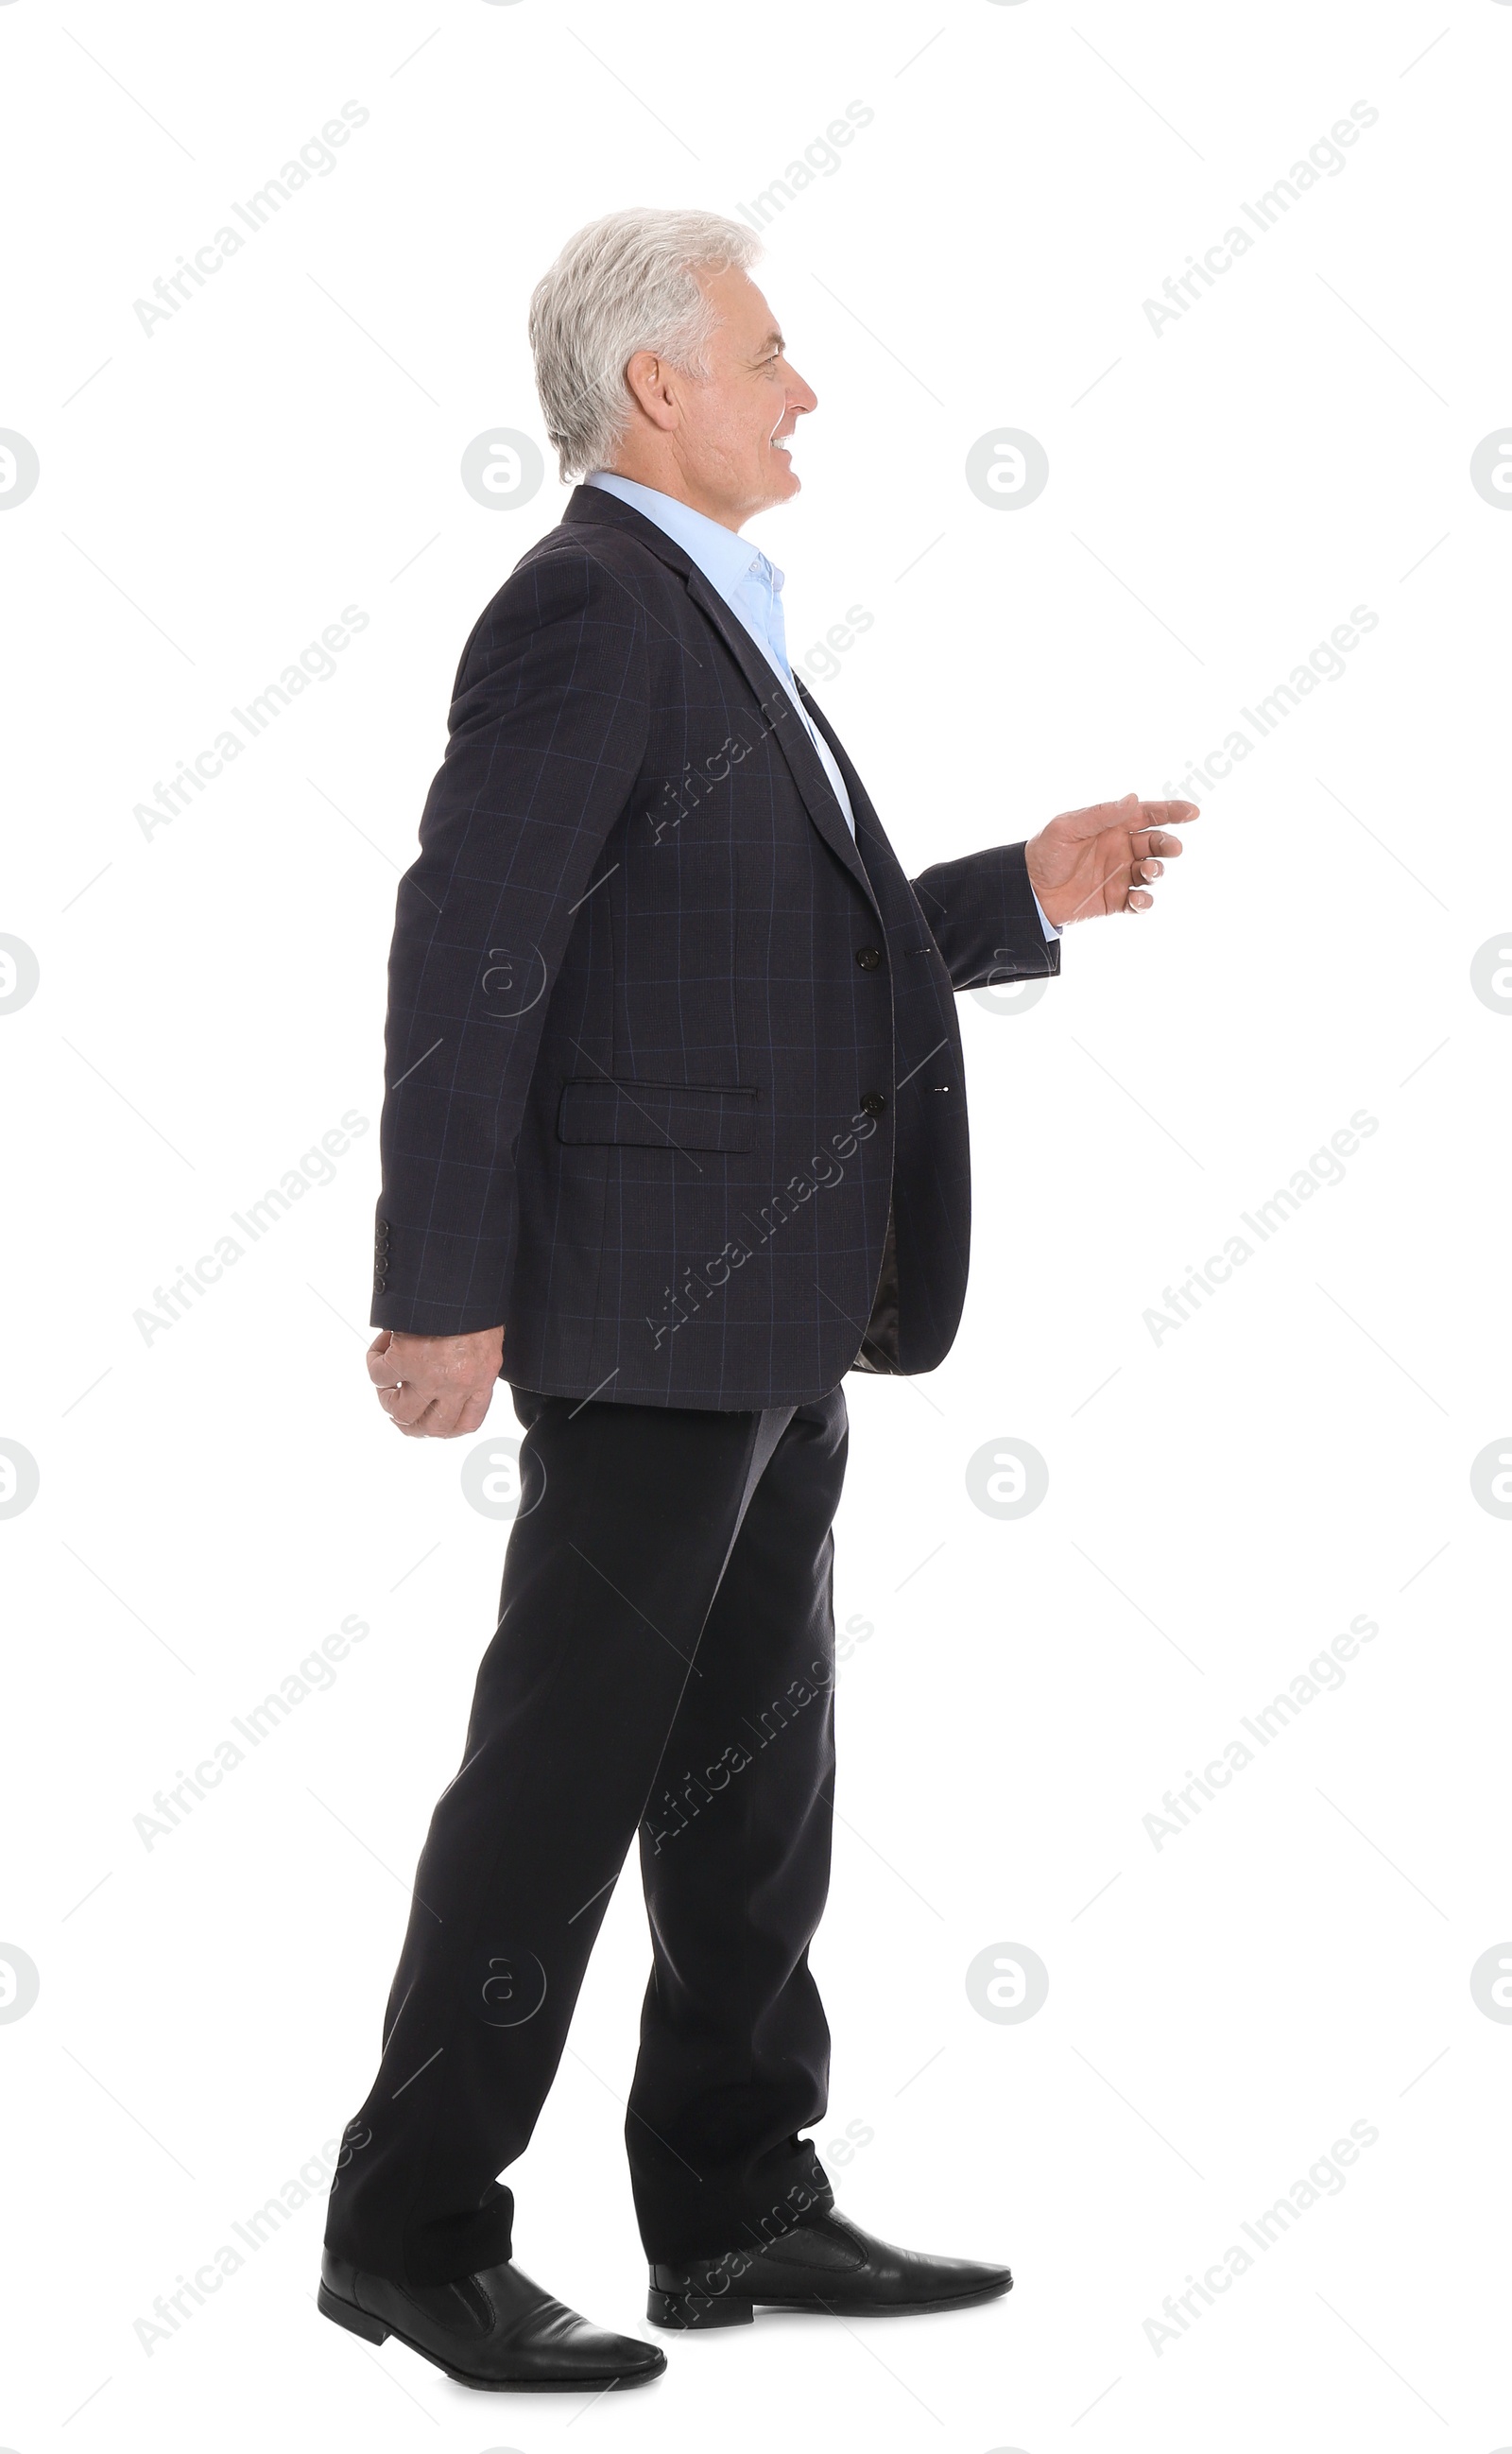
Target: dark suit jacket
<point>674,1079</point>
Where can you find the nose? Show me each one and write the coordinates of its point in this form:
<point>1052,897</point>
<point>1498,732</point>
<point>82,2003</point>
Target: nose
<point>801,396</point>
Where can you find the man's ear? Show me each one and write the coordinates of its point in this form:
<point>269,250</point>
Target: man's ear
<point>648,379</point>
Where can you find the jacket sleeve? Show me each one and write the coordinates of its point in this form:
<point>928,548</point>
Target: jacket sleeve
<point>548,731</point>
<point>982,918</point>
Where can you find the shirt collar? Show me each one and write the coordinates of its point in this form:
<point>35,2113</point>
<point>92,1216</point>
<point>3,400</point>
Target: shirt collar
<point>725,558</point>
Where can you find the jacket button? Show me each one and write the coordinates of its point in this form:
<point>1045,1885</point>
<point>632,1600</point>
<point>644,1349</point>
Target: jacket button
<point>380,1286</point>
<point>872,1103</point>
<point>868,957</point>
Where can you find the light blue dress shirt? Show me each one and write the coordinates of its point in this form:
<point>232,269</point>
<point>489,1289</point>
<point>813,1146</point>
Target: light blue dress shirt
<point>752,587</point>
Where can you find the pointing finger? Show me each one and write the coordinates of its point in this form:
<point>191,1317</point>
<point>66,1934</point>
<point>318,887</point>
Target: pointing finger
<point>1138,816</point>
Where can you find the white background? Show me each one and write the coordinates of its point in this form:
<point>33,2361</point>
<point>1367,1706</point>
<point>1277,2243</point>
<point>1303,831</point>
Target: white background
<point>1221,1503</point>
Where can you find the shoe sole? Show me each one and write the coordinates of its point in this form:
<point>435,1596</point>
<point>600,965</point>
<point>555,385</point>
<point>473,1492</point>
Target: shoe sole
<point>377,2330</point>
<point>671,2310</point>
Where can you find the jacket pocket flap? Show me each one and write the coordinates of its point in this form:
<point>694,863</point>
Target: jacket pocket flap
<point>659,1115</point>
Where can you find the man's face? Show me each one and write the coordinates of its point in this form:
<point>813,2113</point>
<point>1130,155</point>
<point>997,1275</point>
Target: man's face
<point>730,431</point>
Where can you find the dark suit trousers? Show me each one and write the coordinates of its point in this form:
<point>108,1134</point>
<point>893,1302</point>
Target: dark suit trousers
<point>664,1659</point>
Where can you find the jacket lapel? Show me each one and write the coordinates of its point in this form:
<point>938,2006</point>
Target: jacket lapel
<point>590,504</point>
<point>862,808</point>
<point>791,734</point>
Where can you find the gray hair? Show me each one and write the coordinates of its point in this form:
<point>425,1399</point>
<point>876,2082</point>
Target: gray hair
<point>623,283</point>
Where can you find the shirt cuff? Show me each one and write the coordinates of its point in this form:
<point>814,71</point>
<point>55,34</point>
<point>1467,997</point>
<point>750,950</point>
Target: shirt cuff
<point>1050,927</point>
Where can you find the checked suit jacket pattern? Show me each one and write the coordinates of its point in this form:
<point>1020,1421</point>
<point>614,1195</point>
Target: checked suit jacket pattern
<point>674,1082</point>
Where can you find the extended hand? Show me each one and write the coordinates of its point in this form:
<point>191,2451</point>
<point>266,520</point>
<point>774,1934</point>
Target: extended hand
<point>1086,862</point>
<point>436,1388</point>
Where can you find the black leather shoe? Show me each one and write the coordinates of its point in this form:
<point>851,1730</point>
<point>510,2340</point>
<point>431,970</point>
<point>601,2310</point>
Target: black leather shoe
<point>495,2328</point>
<point>826,2263</point>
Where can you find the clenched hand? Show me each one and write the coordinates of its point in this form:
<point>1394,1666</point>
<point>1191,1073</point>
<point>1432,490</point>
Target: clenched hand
<point>436,1388</point>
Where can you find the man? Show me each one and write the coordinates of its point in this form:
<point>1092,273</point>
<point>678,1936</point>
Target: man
<point>674,1138</point>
